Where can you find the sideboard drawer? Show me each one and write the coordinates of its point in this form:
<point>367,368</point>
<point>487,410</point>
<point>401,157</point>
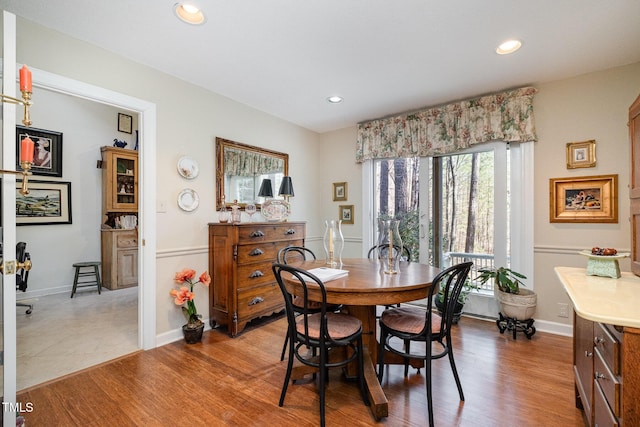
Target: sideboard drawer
<point>256,252</point>
<point>607,382</point>
<point>270,232</point>
<point>127,239</point>
<point>251,275</point>
<point>266,298</point>
<point>603,415</point>
<point>608,346</point>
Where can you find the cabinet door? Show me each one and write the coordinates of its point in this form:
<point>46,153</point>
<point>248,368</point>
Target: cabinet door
<point>127,267</point>
<point>634,185</point>
<point>583,361</point>
<point>125,189</point>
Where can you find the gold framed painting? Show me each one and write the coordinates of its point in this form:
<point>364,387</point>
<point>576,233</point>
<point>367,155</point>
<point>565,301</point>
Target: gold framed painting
<point>339,191</point>
<point>584,199</point>
<point>581,154</point>
<point>345,214</point>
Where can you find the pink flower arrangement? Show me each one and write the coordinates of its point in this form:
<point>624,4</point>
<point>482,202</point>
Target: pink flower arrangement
<point>184,294</point>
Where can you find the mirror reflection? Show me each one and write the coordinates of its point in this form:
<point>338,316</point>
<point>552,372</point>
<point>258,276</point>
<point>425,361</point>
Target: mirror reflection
<point>241,168</point>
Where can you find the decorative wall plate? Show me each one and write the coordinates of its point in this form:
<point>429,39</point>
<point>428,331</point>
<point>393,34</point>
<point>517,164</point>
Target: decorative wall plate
<point>188,200</point>
<point>276,210</point>
<point>188,167</point>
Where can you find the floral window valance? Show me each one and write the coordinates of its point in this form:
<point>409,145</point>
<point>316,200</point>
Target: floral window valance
<point>245,163</point>
<point>506,116</point>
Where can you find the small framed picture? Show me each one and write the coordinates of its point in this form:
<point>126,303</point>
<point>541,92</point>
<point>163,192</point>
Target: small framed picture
<point>584,199</point>
<point>581,154</point>
<point>345,213</point>
<point>47,156</point>
<point>125,123</point>
<point>339,191</point>
<point>48,202</point>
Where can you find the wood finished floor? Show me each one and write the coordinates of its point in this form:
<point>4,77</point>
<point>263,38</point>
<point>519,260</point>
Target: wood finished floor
<point>227,381</point>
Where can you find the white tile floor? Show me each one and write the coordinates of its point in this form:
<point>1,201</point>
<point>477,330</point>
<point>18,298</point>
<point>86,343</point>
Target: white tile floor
<point>64,335</point>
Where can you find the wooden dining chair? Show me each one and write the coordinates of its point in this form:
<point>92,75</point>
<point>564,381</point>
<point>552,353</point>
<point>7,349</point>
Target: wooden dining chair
<point>409,324</point>
<point>318,331</point>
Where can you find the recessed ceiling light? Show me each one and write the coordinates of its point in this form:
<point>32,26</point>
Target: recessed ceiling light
<point>189,13</point>
<point>508,47</point>
<point>335,99</point>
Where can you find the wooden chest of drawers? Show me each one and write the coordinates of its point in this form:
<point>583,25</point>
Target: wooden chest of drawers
<point>240,257</point>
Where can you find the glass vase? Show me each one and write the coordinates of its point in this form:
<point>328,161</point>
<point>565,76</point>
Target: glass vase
<point>389,245</point>
<point>333,243</point>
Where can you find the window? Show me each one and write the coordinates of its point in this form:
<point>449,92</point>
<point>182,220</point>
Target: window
<point>458,207</point>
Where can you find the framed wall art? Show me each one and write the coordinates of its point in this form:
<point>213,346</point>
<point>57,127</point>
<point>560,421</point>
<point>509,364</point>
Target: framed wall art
<point>125,123</point>
<point>581,154</point>
<point>48,202</point>
<point>345,214</point>
<point>47,157</point>
<point>584,199</point>
<point>339,191</point>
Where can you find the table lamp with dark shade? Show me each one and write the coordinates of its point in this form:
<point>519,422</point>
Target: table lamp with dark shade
<point>266,190</point>
<point>286,187</point>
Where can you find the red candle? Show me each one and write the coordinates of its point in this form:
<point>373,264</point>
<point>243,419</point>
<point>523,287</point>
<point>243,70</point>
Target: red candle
<point>25,79</point>
<point>27,150</point>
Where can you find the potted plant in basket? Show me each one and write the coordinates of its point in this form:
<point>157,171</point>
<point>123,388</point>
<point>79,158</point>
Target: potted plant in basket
<point>184,297</point>
<point>468,286</point>
<point>517,305</point>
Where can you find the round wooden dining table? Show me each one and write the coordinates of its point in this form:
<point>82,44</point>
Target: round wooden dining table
<point>360,292</point>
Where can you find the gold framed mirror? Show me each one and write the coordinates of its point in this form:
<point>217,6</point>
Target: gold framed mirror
<point>240,169</point>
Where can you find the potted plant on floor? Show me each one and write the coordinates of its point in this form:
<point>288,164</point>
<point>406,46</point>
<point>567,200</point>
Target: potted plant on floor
<point>468,286</point>
<point>517,305</point>
<point>184,297</point>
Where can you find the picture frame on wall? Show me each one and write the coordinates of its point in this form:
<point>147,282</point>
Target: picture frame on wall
<point>587,199</point>
<point>581,154</point>
<point>47,157</point>
<point>48,203</point>
<point>345,214</point>
<point>125,123</point>
<point>339,191</point>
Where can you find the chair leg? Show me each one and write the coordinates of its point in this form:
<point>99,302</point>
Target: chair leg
<point>75,282</point>
<point>363,390</point>
<point>383,338</point>
<point>427,369</point>
<point>287,376</point>
<point>97,273</point>
<point>284,347</point>
<point>407,349</point>
<point>455,371</point>
<point>322,385</point>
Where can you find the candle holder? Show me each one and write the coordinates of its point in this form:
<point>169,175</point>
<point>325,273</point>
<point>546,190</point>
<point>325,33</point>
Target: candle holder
<point>25,101</point>
<point>389,245</point>
<point>25,172</point>
<point>333,243</point>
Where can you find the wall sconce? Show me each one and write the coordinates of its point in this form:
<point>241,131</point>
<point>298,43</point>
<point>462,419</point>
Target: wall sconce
<point>27,145</point>
<point>286,188</point>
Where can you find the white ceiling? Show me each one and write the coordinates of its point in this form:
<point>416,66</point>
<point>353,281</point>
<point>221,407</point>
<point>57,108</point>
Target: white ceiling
<point>285,57</point>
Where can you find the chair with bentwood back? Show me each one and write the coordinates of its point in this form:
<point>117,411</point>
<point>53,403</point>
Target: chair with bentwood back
<point>400,326</point>
<point>319,331</point>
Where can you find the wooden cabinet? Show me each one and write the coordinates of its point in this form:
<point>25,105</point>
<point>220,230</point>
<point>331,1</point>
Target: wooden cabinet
<point>119,180</point>
<point>240,257</point>
<point>607,378</point>
<point>119,198</point>
<point>119,258</point>
<point>634,185</point>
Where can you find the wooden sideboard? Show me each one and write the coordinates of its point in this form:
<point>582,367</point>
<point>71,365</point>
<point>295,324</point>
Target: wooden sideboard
<point>606,338</point>
<point>240,256</point>
<point>119,258</point>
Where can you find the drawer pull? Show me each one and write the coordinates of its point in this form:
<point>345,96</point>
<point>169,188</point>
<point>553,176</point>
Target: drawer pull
<point>257,233</point>
<point>256,300</point>
<point>256,252</point>
<point>588,354</point>
<point>598,340</point>
<point>290,231</point>
<point>255,274</point>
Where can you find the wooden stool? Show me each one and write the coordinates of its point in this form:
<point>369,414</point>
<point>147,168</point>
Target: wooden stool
<point>94,273</point>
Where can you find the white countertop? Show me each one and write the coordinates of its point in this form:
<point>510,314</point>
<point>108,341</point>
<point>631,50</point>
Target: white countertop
<point>603,299</point>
